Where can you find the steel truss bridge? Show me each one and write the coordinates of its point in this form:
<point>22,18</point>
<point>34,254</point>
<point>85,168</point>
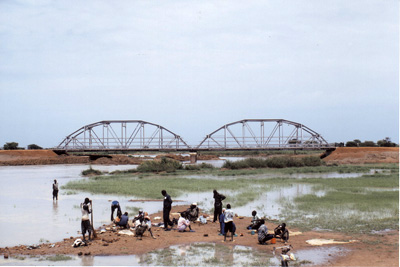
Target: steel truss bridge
<point>248,134</point>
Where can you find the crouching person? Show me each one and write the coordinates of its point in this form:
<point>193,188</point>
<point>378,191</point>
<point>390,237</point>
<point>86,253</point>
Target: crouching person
<point>193,212</point>
<point>263,235</point>
<point>281,232</point>
<point>142,227</point>
<point>183,223</point>
<point>123,222</point>
<point>255,221</point>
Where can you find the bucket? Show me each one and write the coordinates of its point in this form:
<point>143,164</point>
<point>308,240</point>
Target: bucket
<point>273,240</point>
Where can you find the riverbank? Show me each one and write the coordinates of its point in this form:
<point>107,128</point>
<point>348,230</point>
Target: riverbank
<point>342,155</point>
<point>379,249</point>
<point>49,157</point>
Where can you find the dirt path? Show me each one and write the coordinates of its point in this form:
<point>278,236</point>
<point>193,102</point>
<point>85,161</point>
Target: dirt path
<point>368,250</point>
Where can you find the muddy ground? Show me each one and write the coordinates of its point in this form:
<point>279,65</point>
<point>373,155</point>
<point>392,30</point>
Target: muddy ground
<point>46,157</point>
<point>369,250</point>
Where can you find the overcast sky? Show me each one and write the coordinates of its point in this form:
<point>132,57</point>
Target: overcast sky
<point>193,66</point>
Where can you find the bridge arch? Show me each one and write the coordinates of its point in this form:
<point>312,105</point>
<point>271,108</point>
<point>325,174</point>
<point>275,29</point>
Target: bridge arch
<point>122,135</point>
<point>263,134</point>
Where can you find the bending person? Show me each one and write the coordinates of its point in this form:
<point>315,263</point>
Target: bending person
<point>115,206</point>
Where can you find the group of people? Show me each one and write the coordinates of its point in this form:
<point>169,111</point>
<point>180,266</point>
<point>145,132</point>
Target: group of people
<point>142,222</point>
<point>225,217</point>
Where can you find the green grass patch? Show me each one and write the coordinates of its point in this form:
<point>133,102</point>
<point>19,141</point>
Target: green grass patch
<point>273,162</point>
<point>361,204</point>
<point>163,165</point>
<point>58,257</point>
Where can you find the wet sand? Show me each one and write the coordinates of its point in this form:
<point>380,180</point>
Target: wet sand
<point>365,251</point>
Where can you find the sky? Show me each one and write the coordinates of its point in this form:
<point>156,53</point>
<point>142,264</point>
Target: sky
<point>194,66</point>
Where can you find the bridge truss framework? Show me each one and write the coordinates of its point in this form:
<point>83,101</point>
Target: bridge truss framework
<point>248,134</point>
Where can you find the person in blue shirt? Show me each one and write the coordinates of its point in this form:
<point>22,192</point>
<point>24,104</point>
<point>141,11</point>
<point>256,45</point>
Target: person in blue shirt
<point>123,222</point>
<point>114,206</point>
<point>222,223</point>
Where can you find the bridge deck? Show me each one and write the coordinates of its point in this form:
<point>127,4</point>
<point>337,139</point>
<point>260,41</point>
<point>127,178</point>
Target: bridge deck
<point>62,151</point>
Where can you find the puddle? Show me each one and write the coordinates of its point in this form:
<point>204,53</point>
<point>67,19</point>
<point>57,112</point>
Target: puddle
<point>196,254</point>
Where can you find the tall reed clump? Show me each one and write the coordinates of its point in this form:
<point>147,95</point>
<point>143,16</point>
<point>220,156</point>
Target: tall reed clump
<point>199,167</point>
<point>165,164</point>
<point>90,172</point>
<point>274,162</point>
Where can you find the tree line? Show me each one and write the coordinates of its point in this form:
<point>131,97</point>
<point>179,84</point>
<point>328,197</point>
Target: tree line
<point>386,142</point>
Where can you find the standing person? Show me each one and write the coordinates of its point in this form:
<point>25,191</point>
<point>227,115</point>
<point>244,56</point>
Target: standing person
<point>166,210</point>
<point>115,206</point>
<point>263,235</point>
<point>222,222</point>
<point>55,190</point>
<point>217,204</point>
<point>229,214</point>
<point>86,209</point>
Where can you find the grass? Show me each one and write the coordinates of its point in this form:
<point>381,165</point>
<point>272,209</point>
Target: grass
<point>274,162</point>
<point>132,210</point>
<point>352,205</point>
<point>349,205</point>
<point>58,257</point>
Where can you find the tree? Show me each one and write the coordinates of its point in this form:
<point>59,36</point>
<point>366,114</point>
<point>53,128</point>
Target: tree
<point>368,144</point>
<point>34,146</point>
<point>386,142</point>
<point>357,141</point>
<point>351,144</point>
<point>10,146</point>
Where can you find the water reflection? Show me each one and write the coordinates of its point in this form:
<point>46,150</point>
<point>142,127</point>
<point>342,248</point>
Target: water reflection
<point>87,260</point>
<point>196,254</point>
<point>55,208</point>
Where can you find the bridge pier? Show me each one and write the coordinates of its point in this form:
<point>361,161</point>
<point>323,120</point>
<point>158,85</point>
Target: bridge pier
<point>193,157</point>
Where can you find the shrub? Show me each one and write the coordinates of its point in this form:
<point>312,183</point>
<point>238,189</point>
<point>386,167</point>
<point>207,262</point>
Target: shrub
<point>274,162</point>
<point>312,161</point>
<point>90,172</point>
<point>199,167</point>
<point>165,164</point>
<point>34,146</point>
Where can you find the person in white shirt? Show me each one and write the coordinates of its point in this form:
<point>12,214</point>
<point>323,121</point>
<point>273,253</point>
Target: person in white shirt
<point>228,220</point>
<point>183,222</point>
<point>86,209</point>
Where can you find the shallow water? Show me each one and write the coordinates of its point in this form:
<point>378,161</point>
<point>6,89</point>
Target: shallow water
<point>29,214</point>
<point>196,254</point>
